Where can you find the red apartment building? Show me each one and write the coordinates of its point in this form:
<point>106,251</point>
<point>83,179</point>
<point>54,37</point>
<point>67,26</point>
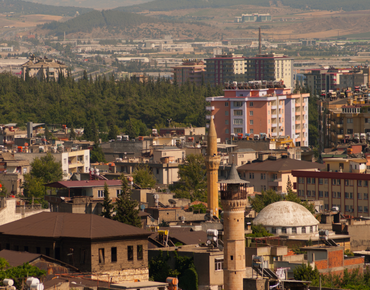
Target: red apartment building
<point>273,111</point>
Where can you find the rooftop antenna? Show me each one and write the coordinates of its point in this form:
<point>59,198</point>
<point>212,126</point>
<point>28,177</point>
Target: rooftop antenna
<point>259,41</point>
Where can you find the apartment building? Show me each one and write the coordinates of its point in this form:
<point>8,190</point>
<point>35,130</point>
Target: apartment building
<point>43,68</point>
<point>274,111</point>
<point>325,80</point>
<point>225,68</point>
<point>270,67</point>
<point>274,173</point>
<point>347,191</point>
<point>192,71</point>
<point>347,121</point>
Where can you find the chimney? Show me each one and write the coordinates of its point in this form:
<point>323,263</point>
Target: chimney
<point>259,41</point>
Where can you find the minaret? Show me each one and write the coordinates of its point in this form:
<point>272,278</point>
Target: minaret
<point>212,162</point>
<point>234,200</point>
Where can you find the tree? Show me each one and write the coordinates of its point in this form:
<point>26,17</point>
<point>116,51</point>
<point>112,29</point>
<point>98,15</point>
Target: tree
<point>192,179</point>
<point>260,201</point>
<point>126,208</point>
<point>97,154</point>
<point>44,170</point>
<point>48,135</point>
<point>47,168</point>
<point>113,131</point>
<point>143,177</point>
<point>107,206</point>
<point>306,273</point>
<point>292,196</point>
<point>19,273</point>
<point>72,134</point>
<point>259,231</point>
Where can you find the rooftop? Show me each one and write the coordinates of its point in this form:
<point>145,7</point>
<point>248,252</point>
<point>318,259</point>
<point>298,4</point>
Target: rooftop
<point>281,165</point>
<point>63,225</point>
<point>84,183</point>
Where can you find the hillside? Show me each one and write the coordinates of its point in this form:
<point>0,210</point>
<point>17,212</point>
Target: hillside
<point>96,4</point>
<point>167,5</point>
<point>98,19</point>
<point>23,7</point>
<point>113,23</point>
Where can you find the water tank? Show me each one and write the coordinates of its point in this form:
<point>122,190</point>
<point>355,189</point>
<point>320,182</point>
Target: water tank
<point>8,282</point>
<point>32,280</point>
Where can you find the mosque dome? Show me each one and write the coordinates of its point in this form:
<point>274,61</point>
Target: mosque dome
<point>287,217</point>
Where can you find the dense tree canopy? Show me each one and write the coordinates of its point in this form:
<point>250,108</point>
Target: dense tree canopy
<point>192,179</point>
<point>147,105</point>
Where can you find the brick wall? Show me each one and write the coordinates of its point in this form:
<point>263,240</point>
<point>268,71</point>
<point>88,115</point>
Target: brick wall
<point>335,259</point>
<point>320,265</point>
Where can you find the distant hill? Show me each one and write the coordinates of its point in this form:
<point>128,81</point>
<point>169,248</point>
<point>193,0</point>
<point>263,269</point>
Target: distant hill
<point>97,4</point>
<point>23,7</point>
<point>167,5</point>
<point>109,19</point>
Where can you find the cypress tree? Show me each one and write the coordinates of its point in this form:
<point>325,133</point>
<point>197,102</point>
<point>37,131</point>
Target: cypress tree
<point>107,206</point>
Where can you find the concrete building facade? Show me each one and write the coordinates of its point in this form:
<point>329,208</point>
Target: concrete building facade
<point>192,71</point>
<point>274,112</point>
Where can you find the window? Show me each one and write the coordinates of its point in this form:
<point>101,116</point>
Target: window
<point>359,195</point>
<point>273,230</point>
<point>359,208</point>
<point>320,181</point>
<point>250,131</point>
<point>326,193</point>
<point>226,104</point>
<point>219,264</point>
<point>283,230</point>
<point>238,104</point>
<point>263,175</point>
<point>346,182</point>
<point>300,180</point>
<point>366,209</point>
<point>325,181</point>
<point>351,195</point>
<point>113,252</point>
<point>238,130</point>
<point>359,182</point>
<point>101,256</point>
<point>313,193</point>
<point>238,113</point>
<point>100,193</point>
<point>130,253</point>
<point>65,160</point>
<point>251,175</point>
<point>349,120</point>
<point>250,113</point>
<point>346,195</point>
<point>226,113</point>
<point>334,181</point>
<point>227,131</point>
<point>119,191</point>
<point>238,122</point>
<point>303,230</point>
<point>308,180</point>
<point>294,230</point>
<point>250,122</point>
<point>250,104</point>
<point>338,181</point>
<point>338,194</point>
<point>26,248</point>
<point>139,252</point>
<point>366,196</point>
<point>311,229</point>
<point>365,182</point>
<point>313,180</point>
<point>38,250</point>
<point>308,192</point>
<point>47,251</point>
<point>334,194</point>
<point>321,194</point>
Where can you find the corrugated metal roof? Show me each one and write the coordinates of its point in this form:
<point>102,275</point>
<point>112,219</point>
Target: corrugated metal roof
<point>84,183</point>
<point>71,225</point>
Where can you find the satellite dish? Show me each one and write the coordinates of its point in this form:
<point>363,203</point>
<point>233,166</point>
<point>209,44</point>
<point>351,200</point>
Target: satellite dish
<point>142,206</point>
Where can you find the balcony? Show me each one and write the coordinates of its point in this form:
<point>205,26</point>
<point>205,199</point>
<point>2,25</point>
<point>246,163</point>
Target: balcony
<point>210,108</point>
<point>273,116</point>
<point>275,182</point>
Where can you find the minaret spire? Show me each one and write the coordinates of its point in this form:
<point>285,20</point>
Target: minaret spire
<point>213,163</point>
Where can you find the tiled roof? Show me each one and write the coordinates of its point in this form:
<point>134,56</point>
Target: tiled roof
<point>62,225</point>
